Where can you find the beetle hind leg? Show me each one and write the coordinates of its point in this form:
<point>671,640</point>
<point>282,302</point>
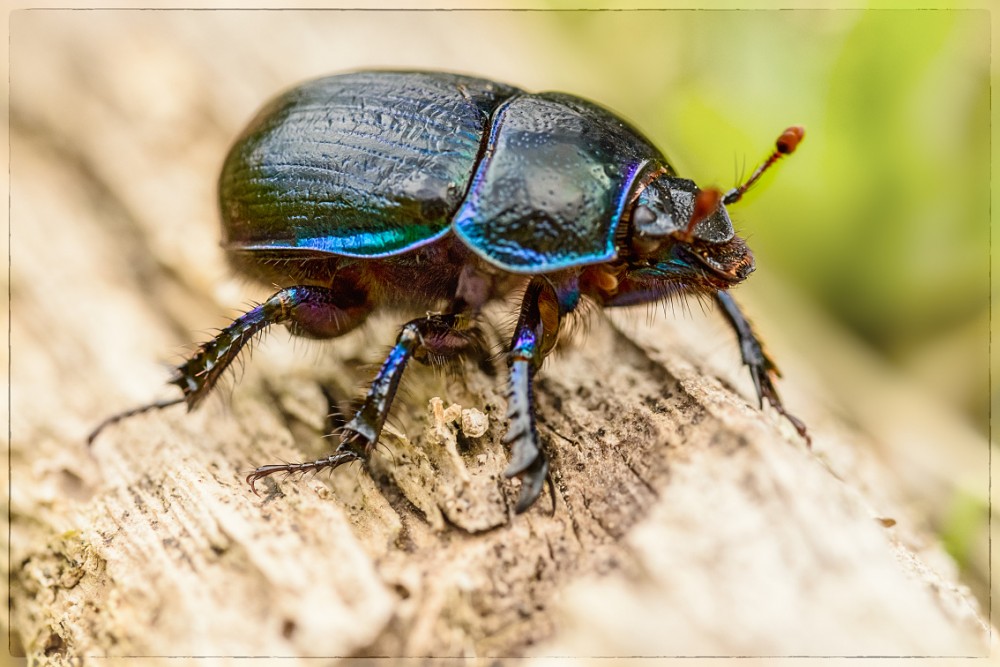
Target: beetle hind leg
<point>131,412</point>
<point>307,310</point>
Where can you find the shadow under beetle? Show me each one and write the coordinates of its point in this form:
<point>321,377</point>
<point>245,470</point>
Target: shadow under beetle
<point>437,192</point>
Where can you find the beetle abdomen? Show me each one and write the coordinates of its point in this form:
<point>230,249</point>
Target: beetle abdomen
<point>552,187</point>
<point>368,164</point>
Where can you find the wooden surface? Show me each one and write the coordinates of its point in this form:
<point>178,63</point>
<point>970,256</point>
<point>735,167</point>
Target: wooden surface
<point>685,521</point>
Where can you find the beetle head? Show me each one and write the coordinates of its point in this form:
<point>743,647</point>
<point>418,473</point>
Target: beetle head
<point>666,207</point>
<point>684,230</point>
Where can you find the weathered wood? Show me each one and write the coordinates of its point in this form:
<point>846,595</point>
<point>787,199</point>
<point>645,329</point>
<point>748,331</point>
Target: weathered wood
<point>686,522</point>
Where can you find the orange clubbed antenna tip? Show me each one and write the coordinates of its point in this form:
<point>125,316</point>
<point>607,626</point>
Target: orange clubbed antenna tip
<point>785,145</point>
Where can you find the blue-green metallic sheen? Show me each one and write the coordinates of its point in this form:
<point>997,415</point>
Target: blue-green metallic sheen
<point>552,187</point>
<point>368,164</point>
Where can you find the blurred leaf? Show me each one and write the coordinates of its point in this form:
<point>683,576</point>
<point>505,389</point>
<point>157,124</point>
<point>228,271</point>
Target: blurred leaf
<point>906,252</point>
<point>961,532</point>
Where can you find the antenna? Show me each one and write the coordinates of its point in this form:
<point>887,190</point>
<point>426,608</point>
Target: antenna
<point>785,145</point>
<point>705,203</point>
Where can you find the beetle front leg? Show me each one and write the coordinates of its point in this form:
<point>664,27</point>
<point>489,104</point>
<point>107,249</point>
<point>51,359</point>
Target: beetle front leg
<point>432,339</point>
<point>652,285</point>
<point>307,310</point>
<point>762,368</point>
<point>534,337</point>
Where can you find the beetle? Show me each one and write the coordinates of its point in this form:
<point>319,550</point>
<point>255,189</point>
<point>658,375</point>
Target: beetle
<point>438,193</point>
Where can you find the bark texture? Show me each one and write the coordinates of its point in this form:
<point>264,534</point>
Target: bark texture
<point>685,521</point>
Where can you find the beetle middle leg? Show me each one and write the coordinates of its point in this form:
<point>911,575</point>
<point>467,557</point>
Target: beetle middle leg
<point>431,340</point>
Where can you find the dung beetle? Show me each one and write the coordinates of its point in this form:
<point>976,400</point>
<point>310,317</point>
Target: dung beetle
<point>437,193</point>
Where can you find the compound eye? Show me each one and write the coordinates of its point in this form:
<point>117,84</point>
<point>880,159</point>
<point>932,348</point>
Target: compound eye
<point>647,221</point>
<point>643,217</point>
